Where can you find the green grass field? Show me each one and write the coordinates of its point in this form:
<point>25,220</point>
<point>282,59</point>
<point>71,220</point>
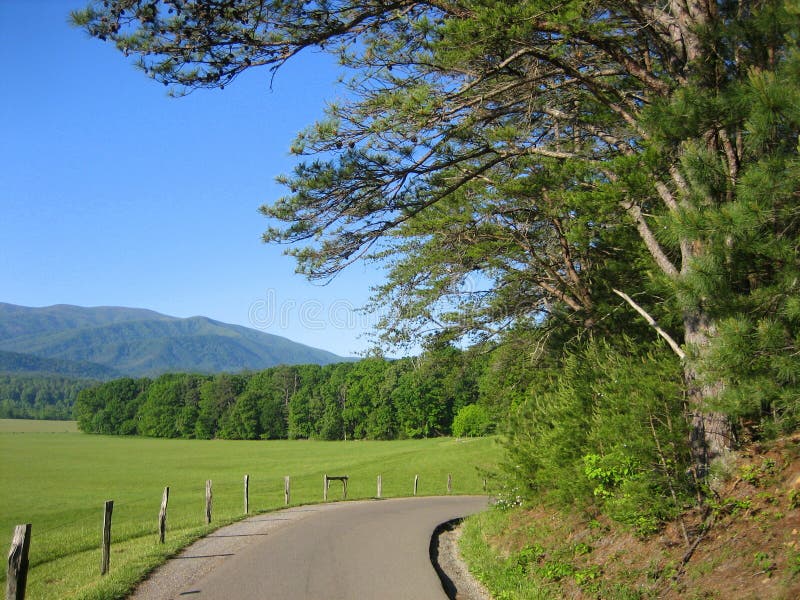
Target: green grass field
<point>58,482</point>
<point>35,426</point>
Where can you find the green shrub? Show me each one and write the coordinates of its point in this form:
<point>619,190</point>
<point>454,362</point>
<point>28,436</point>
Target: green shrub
<point>610,433</point>
<point>472,421</point>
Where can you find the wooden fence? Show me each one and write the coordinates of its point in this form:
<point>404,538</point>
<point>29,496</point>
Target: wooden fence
<point>17,573</point>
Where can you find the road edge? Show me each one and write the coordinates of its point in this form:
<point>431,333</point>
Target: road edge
<point>457,580</point>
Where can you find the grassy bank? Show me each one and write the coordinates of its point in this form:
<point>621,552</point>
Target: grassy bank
<point>744,543</point>
<point>58,482</point>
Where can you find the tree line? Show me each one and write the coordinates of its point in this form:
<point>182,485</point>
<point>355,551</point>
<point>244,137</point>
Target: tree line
<point>39,397</point>
<point>370,399</point>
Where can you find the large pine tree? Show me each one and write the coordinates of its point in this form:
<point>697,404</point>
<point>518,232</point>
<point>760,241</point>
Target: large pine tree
<point>554,151</point>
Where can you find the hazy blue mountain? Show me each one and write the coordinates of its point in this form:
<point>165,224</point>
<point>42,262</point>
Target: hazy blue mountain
<point>137,342</point>
<point>28,364</point>
<point>18,321</point>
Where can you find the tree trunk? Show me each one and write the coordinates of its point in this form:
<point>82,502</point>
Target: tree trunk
<point>711,433</point>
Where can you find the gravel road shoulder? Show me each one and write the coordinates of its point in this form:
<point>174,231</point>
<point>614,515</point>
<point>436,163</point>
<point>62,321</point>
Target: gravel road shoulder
<point>458,582</point>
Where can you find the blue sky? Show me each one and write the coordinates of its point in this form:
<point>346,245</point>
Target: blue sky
<point>112,193</point>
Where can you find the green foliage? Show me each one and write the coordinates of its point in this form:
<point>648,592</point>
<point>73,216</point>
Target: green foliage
<point>162,405</point>
<point>588,442</point>
<point>472,421</point>
<point>39,397</point>
<point>111,407</point>
<point>756,475</point>
<point>370,399</point>
<point>794,499</point>
<point>794,562</point>
<point>609,472</point>
<point>755,353</point>
<point>763,561</point>
<point>555,570</point>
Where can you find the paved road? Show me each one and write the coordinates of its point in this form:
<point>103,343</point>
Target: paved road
<point>338,551</point>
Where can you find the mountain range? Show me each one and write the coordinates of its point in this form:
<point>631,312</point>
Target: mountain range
<point>107,342</point>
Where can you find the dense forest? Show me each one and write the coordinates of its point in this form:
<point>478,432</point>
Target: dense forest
<point>601,197</point>
<point>370,399</point>
<point>39,396</point>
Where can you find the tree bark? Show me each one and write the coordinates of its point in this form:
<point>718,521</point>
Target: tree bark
<point>711,435</point>
<point>711,432</point>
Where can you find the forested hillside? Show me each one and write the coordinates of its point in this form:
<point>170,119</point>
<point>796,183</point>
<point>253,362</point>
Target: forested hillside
<point>29,364</point>
<point>105,342</point>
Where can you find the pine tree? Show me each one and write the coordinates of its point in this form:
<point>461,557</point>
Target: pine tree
<point>555,151</point>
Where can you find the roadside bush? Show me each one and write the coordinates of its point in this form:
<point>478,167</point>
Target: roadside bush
<point>472,421</point>
<point>610,434</point>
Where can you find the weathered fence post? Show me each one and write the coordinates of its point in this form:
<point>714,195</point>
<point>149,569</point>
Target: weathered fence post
<point>209,497</point>
<point>449,483</point>
<point>247,494</point>
<point>162,516</point>
<point>380,486</point>
<point>325,488</point>
<point>287,490</point>
<point>109,508</point>
<point>416,482</point>
<point>18,563</point>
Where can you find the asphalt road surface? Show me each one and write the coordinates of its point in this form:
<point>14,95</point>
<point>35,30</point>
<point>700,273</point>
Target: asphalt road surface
<point>339,551</point>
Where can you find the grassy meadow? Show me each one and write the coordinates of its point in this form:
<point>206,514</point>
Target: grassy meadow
<point>37,426</point>
<point>58,479</point>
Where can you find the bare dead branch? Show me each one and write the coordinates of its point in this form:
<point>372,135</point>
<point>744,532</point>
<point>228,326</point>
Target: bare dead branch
<point>652,322</point>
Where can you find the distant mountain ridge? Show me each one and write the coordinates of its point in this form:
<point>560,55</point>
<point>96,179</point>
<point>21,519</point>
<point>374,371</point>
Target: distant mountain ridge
<point>114,341</point>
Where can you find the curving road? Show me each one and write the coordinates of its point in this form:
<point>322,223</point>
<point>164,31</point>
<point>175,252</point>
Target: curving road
<point>339,551</point>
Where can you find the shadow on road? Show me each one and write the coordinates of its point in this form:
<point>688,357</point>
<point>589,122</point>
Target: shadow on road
<point>447,583</point>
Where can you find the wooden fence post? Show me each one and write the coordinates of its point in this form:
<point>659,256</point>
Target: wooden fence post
<point>162,516</point>
<point>326,484</point>
<point>380,486</point>
<point>209,497</point>
<point>287,490</point>
<point>449,483</point>
<point>18,563</point>
<point>247,494</point>
<point>109,508</point>
<point>416,482</point>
